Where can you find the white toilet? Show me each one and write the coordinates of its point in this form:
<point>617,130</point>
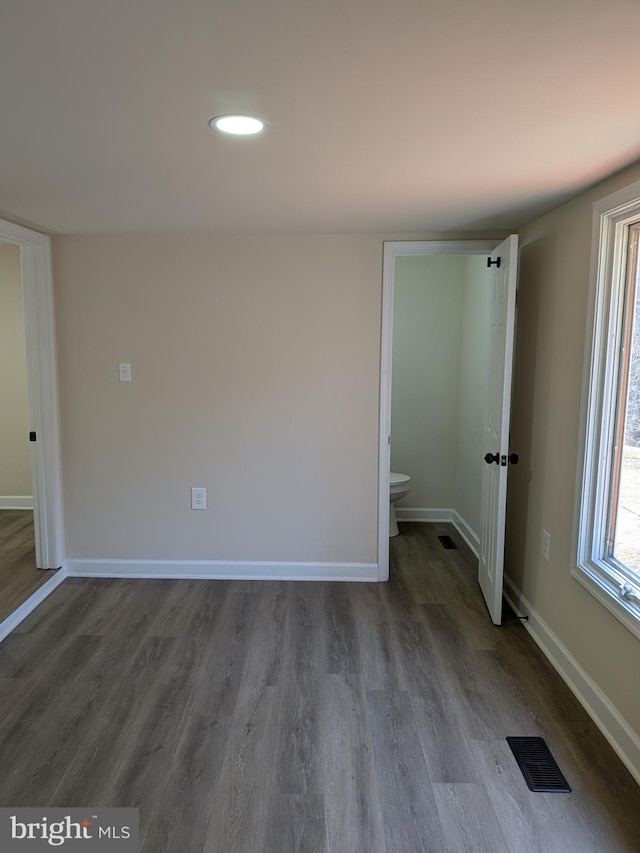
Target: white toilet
<point>399,486</point>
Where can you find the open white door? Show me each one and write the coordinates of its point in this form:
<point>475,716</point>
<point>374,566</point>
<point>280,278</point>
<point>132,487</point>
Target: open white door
<point>495,447</point>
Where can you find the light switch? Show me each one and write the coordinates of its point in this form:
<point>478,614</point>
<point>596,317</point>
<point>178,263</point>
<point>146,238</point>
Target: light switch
<point>125,371</point>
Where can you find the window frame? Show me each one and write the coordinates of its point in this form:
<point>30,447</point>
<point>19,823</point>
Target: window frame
<point>601,574</point>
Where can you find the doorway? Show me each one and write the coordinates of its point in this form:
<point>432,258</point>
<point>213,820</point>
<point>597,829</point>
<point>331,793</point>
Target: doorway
<point>392,252</point>
<point>19,577</point>
<point>30,253</point>
<point>502,258</point>
<point>440,372</point>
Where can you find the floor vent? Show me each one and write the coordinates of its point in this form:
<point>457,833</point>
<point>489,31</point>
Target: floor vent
<point>448,543</point>
<point>538,766</point>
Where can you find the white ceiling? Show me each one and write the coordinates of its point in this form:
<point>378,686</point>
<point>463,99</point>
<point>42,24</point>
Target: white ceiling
<point>386,115</point>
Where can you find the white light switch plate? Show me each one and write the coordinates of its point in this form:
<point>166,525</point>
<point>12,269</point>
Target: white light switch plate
<point>124,369</point>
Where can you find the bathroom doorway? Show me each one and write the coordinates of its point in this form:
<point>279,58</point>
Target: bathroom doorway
<point>445,392</point>
<point>440,368</point>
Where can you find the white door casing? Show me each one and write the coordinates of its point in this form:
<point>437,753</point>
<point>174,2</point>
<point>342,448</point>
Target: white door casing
<point>37,289</point>
<point>496,426</point>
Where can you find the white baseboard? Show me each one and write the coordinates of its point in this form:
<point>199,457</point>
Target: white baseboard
<point>467,532</point>
<point>431,515</point>
<point>16,501</point>
<point>605,715</point>
<point>419,513</point>
<point>221,570</point>
<point>11,622</point>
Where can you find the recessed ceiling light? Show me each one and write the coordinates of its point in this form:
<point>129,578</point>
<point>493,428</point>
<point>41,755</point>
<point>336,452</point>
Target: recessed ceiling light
<point>238,125</point>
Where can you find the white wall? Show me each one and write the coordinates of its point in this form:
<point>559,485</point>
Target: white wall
<point>474,372</point>
<point>427,326</point>
<point>441,340</point>
<point>550,344</point>
<point>255,374</point>
<point>255,366</point>
<point>15,467</point>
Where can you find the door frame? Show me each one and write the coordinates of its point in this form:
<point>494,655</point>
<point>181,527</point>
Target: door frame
<point>391,251</point>
<point>42,389</point>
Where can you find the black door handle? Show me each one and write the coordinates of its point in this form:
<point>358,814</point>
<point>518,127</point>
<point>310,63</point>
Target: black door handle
<point>513,459</point>
<point>492,457</point>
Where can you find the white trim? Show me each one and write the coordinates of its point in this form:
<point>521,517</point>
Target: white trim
<point>441,247</point>
<point>606,591</point>
<point>467,532</point>
<point>222,570</point>
<point>16,501</point>
<point>384,429</point>
<point>625,198</point>
<point>391,251</point>
<point>429,515</point>
<point>590,565</point>
<point>20,614</point>
<point>624,741</point>
<point>434,515</point>
<point>37,288</point>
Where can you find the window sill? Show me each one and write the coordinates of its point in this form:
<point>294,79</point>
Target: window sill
<point>605,589</point>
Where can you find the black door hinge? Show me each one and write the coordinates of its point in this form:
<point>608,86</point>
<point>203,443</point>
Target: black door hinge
<point>32,435</point>
<point>495,263</point>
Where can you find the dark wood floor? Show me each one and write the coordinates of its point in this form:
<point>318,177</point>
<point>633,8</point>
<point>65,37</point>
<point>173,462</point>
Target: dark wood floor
<point>19,577</point>
<point>281,717</point>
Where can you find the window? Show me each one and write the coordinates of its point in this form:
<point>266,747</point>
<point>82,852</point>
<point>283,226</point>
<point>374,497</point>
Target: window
<point>608,557</point>
<point>624,535</point>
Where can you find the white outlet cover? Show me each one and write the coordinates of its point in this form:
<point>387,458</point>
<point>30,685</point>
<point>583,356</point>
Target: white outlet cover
<point>198,497</point>
<point>124,371</point>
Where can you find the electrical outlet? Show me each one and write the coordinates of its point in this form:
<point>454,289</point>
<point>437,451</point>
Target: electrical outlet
<point>124,369</point>
<point>546,544</point>
<point>198,498</point>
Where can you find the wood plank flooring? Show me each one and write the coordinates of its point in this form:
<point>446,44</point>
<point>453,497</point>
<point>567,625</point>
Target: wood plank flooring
<point>315,717</point>
<point>19,577</point>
